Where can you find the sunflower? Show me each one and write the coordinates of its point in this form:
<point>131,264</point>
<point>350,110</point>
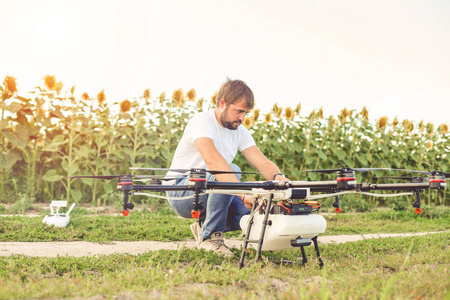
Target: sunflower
<point>299,108</point>
<point>85,96</point>
<point>200,103</point>
<point>248,122</point>
<point>10,85</point>
<point>405,124</point>
<point>344,115</point>
<point>101,97</point>
<point>191,95</point>
<point>320,113</point>
<point>214,99</point>
<point>443,129</point>
<point>365,114</point>
<point>430,128</point>
<point>395,123</point>
<point>277,110</point>
<point>289,113</point>
<point>125,106</point>
<point>178,98</point>
<point>268,118</point>
<point>312,115</point>
<point>162,97</point>
<point>382,122</point>
<point>50,82</point>
<point>411,127</point>
<point>421,126</point>
<point>147,95</point>
<point>256,114</point>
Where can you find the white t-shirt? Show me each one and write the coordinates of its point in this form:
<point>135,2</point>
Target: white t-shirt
<point>205,124</point>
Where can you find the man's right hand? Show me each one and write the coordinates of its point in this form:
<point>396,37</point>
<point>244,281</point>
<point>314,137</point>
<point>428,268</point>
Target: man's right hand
<point>248,201</point>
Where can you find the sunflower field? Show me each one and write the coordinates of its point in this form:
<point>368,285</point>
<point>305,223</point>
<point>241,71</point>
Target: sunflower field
<point>54,134</point>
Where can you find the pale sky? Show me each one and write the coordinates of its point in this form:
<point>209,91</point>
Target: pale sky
<point>391,56</point>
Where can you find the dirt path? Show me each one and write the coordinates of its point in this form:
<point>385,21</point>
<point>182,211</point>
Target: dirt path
<point>78,249</point>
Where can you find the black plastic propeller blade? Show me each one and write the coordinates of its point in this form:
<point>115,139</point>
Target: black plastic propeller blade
<point>413,171</point>
<point>446,175</point>
<point>107,177</point>
<point>190,170</point>
<point>155,178</point>
<point>362,170</point>
<point>394,177</point>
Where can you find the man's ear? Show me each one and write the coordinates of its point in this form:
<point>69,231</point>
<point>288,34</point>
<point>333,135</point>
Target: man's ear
<point>222,103</point>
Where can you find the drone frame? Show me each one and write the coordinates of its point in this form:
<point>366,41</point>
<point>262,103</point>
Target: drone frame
<point>345,181</point>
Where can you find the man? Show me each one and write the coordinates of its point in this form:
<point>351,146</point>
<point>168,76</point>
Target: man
<point>211,141</point>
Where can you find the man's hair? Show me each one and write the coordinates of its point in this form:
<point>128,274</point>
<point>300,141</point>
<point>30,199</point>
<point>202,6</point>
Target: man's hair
<point>235,91</point>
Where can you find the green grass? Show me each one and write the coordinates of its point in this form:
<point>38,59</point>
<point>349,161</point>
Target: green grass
<point>165,226</point>
<point>401,268</point>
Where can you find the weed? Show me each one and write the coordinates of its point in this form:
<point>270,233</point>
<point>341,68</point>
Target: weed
<point>23,204</point>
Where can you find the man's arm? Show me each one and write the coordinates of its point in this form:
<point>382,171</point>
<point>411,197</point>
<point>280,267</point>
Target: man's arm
<point>214,160</point>
<point>262,164</point>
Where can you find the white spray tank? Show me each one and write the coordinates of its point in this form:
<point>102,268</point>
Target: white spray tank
<point>283,230</point>
<point>57,219</point>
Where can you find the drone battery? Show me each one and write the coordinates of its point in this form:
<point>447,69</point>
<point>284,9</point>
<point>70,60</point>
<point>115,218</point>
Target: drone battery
<point>290,209</point>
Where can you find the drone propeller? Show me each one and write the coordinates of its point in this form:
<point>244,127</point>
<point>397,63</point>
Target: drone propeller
<point>346,169</point>
<point>145,179</point>
<point>447,175</point>
<point>107,177</point>
<point>138,177</point>
<point>193,170</point>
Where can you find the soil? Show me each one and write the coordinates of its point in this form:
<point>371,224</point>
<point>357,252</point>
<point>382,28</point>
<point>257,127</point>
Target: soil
<point>78,249</point>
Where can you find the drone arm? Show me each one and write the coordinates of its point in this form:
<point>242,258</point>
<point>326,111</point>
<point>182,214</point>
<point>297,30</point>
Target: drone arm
<point>394,186</point>
<point>316,186</point>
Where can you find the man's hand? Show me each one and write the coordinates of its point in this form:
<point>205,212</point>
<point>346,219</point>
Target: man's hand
<point>248,201</point>
<point>281,178</point>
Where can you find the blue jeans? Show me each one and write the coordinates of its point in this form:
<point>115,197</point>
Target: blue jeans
<point>219,213</point>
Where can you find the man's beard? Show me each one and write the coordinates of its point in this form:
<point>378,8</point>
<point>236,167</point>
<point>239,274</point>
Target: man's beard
<point>229,124</point>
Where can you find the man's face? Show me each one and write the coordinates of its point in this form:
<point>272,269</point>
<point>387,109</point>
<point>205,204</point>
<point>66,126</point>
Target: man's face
<point>233,115</point>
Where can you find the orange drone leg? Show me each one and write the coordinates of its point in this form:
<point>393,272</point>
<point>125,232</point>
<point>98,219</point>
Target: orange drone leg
<point>195,214</point>
<point>418,210</point>
<point>338,210</point>
<point>125,212</point>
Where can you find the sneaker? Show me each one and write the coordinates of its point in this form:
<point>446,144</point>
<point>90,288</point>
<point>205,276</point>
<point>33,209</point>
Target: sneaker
<point>195,228</point>
<point>215,244</point>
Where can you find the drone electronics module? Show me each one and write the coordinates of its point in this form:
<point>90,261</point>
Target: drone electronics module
<point>284,213</point>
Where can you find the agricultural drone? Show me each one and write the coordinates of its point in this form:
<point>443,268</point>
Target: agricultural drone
<point>284,210</point>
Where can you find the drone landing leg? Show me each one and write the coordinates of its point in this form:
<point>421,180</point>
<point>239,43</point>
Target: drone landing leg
<point>316,246</point>
<point>247,240</point>
<point>261,238</point>
<point>304,259</point>
<point>416,204</point>
<point>263,231</point>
